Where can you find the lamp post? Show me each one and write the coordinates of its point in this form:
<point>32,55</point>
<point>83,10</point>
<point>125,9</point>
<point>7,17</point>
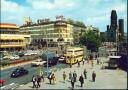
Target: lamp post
<point>47,53</point>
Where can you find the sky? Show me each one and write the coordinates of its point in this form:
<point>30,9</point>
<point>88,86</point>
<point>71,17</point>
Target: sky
<point>91,12</point>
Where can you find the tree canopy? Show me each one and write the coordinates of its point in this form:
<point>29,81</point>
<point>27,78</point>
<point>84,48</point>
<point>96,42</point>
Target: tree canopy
<point>91,40</point>
<point>79,23</point>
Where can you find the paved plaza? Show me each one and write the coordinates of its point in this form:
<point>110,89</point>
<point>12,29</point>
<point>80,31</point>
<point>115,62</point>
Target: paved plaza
<point>105,78</point>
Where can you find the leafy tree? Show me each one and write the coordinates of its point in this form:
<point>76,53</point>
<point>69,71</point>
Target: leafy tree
<point>91,40</point>
<point>103,38</point>
<point>79,23</point>
<point>69,20</point>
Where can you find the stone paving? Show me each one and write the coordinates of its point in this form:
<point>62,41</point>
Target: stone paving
<point>105,79</point>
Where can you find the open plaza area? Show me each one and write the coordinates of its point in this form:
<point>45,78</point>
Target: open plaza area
<point>105,78</point>
<point>63,44</point>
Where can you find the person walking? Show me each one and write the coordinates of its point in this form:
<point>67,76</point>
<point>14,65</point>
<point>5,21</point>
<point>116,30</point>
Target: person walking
<point>72,82</point>
<point>93,76</point>
<point>85,74</point>
<point>50,78</point>
<point>54,78</point>
<point>88,60</point>
<point>70,75</point>
<point>64,76</point>
<point>81,79</point>
<point>75,76</point>
<point>33,81</point>
<point>38,81</point>
<point>78,63</point>
<point>98,61</point>
<point>42,76</point>
<point>92,63</point>
<point>83,60</point>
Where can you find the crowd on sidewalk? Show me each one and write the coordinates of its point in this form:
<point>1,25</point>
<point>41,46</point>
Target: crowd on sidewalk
<point>72,77</point>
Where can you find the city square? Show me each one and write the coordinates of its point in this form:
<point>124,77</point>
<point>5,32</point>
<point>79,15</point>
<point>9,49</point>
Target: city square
<point>63,44</point>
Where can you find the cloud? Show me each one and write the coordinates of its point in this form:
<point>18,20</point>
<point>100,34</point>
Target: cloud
<point>97,19</point>
<point>10,6</point>
<point>47,4</point>
<point>92,12</point>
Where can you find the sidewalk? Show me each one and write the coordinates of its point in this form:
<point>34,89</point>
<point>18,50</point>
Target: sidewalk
<point>105,79</point>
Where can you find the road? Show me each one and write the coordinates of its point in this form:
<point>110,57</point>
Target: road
<point>5,74</point>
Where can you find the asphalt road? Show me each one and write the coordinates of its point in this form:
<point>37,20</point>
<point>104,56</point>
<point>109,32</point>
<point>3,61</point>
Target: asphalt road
<point>5,74</point>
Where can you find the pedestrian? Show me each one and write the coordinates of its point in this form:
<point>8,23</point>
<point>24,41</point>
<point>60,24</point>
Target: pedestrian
<point>38,81</point>
<point>64,76</point>
<point>50,78</point>
<point>93,76</point>
<point>98,61</point>
<point>42,76</point>
<point>83,60</point>
<point>88,60</point>
<point>72,82</point>
<point>33,81</point>
<point>92,63</point>
<point>81,79</point>
<point>70,75</point>
<point>85,74</point>
<point>78,63</point>
<point>54,78</point>
<point>75,76</point>
<point>70,65</point>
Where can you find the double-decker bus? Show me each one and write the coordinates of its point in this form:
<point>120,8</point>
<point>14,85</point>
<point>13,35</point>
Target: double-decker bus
<point>74,55</point>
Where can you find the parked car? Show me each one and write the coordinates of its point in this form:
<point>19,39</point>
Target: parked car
<point>14,57</point>
<point>62,59</point>
<point>2,82</point>
<point>38,63</point>
<point>51,62</point>
<point>6,57</point>
<point>19,72</point>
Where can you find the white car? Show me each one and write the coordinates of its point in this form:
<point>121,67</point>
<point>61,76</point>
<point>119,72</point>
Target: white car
<point>61,58</point>
<point>27,54</point>
<point>38,63</point>
<point>14,57</point>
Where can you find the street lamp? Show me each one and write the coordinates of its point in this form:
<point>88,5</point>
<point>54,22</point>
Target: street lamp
<point>47,53</point>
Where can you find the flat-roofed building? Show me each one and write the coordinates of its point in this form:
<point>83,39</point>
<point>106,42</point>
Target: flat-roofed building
<point>11,38</point>
<point>56,33</point>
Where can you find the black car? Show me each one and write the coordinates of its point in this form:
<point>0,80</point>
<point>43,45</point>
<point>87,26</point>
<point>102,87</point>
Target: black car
<point>51,62</point>
<point>19,72</point>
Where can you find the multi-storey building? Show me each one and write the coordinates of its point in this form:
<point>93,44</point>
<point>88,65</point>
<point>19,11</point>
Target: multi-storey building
<point>11,38</point>
<point>77,32</point>
<point>54,33</point>
<point>112,29</point>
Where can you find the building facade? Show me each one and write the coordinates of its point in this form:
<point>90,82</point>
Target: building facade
<point>11,38</point>
<point>121,30</point>
<point>112,28</point>
<point>53,33</point>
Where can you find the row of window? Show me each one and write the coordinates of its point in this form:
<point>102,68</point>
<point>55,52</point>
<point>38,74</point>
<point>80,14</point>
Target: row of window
<point>10,41</point>
<point>7,43</point>
<point>12,32</point>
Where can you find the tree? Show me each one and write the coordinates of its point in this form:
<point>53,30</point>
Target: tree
<point>71,21</point>
<point>103,38</point>
<point>91,40</point>
<point>79,23</point>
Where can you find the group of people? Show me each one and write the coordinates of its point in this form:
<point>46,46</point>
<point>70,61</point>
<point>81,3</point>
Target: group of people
<point>36,81</point>
<point>73,77</point>
<point>52,78</point>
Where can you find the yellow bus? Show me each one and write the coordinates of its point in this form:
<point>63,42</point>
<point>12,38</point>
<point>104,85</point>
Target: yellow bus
<point>74,54</point>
